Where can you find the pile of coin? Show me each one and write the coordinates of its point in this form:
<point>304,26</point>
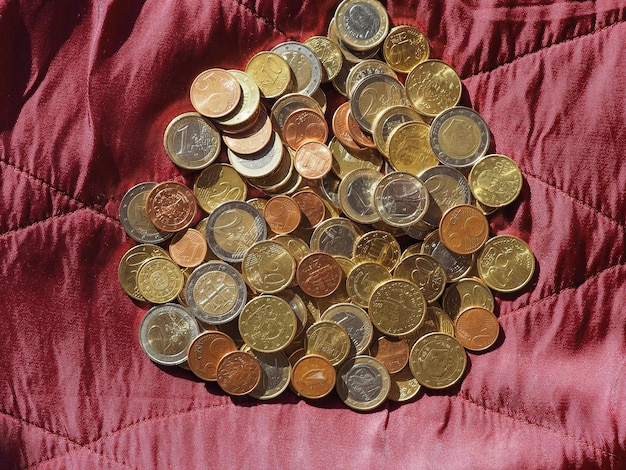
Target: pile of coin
<point>365,264</point>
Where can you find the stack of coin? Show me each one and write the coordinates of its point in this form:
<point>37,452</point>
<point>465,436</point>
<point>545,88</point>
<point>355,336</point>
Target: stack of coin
<point>364,264</point>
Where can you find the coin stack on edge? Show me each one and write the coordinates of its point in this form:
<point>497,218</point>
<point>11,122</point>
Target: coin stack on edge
<point>365,263</point>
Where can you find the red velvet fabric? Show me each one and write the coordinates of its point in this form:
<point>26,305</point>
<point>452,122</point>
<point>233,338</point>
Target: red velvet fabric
<point>86,91</point>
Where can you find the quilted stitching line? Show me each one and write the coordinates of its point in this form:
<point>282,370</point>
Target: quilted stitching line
<point>509,414</point>
<point>541,49</point>
<point>63,193</point>
<point>78,447</point>
<point>265,20</point>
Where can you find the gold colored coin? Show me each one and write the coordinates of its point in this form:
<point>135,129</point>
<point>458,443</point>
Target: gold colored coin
<point>271,73</point>
<point>248,105</point>
<point>414,249</point>
<point>495,180</point>
<point>297,247</point>
<point>506,263</point>
<point>432,87</point>
<point>425,272</point>
<point>363,280</point>
<point>268,267</point>
<point>329,339</point>
<point>437,361</point>
<point>130,264</point>
<point>373,95</point>
<point>361,24</point>
<point>344,161</point>
<point>436,321</point>
<point>363,383</point>
<point>397,307</point>
<point>385,123</point>
<point>409,148</point>
<point>267,324</point>
<point>378,246</point>
<point>466,293</point>
<point>218,183</point>
<point>404,386</point>
<point>405,47</point>
<point>329,55</point>
<point>159,280</point>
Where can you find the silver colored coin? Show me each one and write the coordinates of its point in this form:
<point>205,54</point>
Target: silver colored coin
<point>296,54</point>
<point>456,266</point>
<point>459,137</point>
<point>216,293</point>
<point>400,199</point>
<point>356,323</point>
<point>419,230</point>
<point>165,333</point>
<point>447,188</point>
<point>191,141</point>
<point>275,374</point>
<point>232,228</point>
<point>356,195</point>
<point>330,188</point>
<point>298,306</point>
<point>134,217</point>
<point>363,383</point>
<point>259,164</point>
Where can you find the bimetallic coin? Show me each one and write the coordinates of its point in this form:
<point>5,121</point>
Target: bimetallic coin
<point>459,137</point>
<point>159,280</point>
<point>356,195</point>
<point>476,328</point>
<point>468,292</point>
<point>373,95</point>
<point>313,160</point>
<point>248,105</point>
<point>281,175</point>
<point>361,24</point>
<point>393,353</point>
<point>464,229</point>
<point>437,361</point>
<point>319,275</point>
<point>344,162</point>
<point>130,264</point>
<point>275,375</point>
<point>238,373</point>
<point>455,265</point>
<point>165,333</point>
<point>271,73</point>
<point>363,279</point>
<point>379,247</point>
<point>400,199</point>
<point>432,87</point>
<point>191,141</point>
<point>335,236</point>
<point>188,248</point>
<point>232,228</point>
<point>356,323</point>
<point>363,383</point>
<point>328,54</point>
<point>506,263</point>
<point>409,148</point>
<point>404,386</point>
<point>387,121</point>
<point>218,183</point>
<point>216,293</point>
<point>313,376</point>
<point>205,352</point>
<point>134,216</point>
<point>495,180</point>
<point>397,307</point>
<point>419,230</point>
<point>267,324</point>
<point>404,48</point>
<point>350,56</point>
<point>329,186</point>
<point>425,272</point>
<point>260,164</point>
<point>215,93</point>
<point>447,188</point>
<point>268,267</point>
<point>282,214</point>
<point>328,339</point>
<point>364,69</point>
<point>171,206</point>
<point>304,64</point>
<point>304,125</point>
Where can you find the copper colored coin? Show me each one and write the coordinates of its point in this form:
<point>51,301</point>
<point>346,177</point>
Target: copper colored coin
<point>215,93</point>
<point>313,160</point>
<point>282,214</point>
<point>476,328</point>
<point>340,128</point>
<point>304,125</point>
<point>464,229</point>
<point>312,207</point>
<point>361,137</point>
<point>254,139</point>
<point>319,274</point>
<point>206,351</point>
<point>188,248</point>
<point>238,373</point>
<point>392,352</point>
<point>171,206</point>
<point>313,376</point>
